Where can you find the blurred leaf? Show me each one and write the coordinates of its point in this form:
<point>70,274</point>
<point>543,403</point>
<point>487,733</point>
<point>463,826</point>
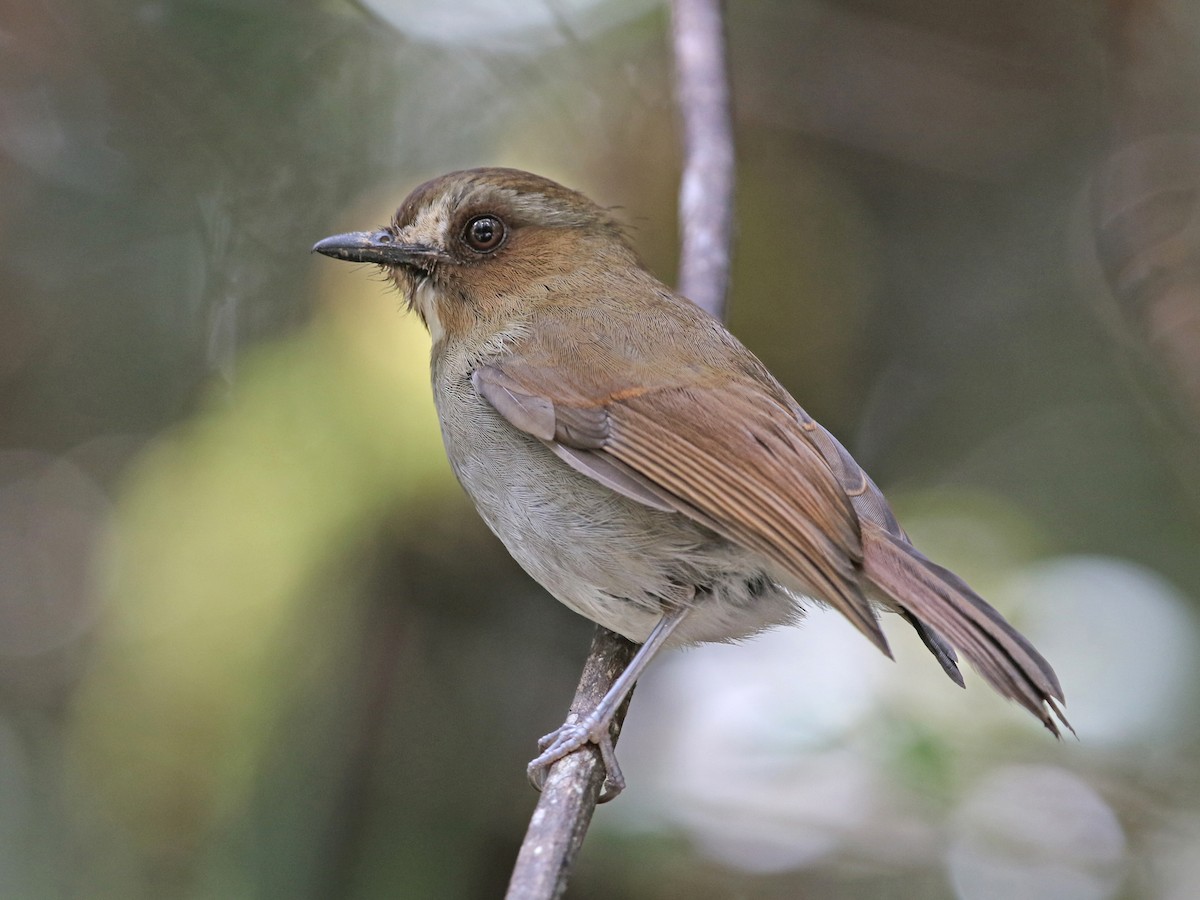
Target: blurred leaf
<point>221,532</point>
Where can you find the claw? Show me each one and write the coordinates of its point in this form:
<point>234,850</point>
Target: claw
<point>537,775</point>
<point>596,726</point>
<point>572,736</point>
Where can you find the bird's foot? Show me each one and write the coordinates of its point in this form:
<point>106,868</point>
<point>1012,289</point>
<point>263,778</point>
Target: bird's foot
<point>572,736</point>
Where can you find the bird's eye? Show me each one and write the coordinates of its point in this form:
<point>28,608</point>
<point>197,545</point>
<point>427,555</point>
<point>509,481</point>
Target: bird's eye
<point>484,233</point>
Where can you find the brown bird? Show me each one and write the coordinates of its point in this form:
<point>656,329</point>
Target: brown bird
<point>638,461</point>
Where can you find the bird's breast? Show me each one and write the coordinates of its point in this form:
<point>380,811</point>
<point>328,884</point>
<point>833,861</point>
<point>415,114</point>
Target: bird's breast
<point>605,556</point>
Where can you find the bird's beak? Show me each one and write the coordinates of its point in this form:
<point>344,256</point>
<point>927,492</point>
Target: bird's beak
<point>378,247</point>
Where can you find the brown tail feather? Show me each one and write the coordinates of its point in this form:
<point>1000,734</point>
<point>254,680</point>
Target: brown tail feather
<point>936,596</point>
<point>936,645</point>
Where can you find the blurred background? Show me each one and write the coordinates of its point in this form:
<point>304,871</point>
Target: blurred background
<point>254,641</point>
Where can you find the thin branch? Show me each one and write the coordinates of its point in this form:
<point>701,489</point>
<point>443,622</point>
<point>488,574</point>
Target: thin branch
<point>706,191</point>
<point>572,787</point>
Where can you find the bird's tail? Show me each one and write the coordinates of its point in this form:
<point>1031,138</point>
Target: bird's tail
<point>925,591</point>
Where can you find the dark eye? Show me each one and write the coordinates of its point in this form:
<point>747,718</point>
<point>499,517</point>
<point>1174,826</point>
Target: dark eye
<point>484,233</point>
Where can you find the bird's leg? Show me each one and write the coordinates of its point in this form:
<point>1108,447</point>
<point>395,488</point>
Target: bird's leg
<point>595,727</point>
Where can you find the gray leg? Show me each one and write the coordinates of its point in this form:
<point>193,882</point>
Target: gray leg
<point>594,727</point>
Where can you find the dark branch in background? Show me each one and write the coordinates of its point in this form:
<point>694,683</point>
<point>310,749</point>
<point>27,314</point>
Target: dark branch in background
<point>572,788</point>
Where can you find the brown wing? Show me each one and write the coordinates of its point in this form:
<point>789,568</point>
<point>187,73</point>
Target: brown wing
<point>791,492</point>
<point>729,456</point>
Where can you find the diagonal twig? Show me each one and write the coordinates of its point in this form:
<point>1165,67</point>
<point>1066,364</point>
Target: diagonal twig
<point>572,788</point>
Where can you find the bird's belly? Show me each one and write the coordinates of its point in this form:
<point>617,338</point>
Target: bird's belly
<point>609,558</point>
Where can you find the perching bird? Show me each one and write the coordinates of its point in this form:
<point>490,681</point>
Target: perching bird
<point>638,461</point>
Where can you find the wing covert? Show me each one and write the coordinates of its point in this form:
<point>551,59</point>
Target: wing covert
<point>729,456</point>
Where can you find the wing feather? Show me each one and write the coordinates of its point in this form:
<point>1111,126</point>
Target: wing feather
<point>668,446</point>
<point>720,442</point>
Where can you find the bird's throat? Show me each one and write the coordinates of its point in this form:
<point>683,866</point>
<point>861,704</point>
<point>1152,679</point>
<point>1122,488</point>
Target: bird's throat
<point>425,302</point>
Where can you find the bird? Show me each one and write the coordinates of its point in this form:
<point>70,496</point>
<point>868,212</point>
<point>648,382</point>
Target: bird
<point>638,461</point>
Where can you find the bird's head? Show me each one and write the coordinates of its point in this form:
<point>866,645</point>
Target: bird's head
<point>472,250</point>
